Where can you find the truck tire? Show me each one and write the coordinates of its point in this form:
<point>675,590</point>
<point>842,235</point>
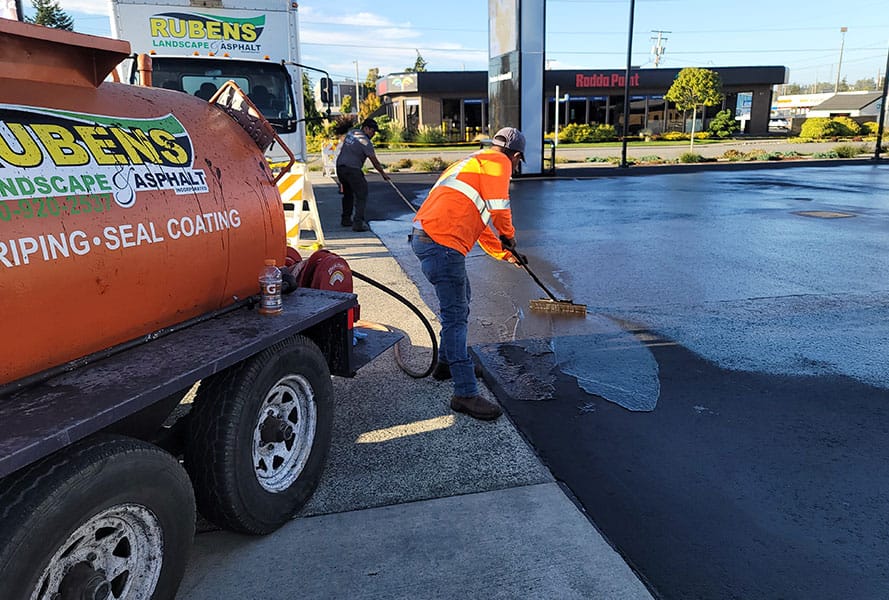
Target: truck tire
<point>260,436</point>
<point>108,517</point>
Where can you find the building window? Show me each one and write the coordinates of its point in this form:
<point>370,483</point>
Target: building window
<point>452,118</point>
<point>412,116</point>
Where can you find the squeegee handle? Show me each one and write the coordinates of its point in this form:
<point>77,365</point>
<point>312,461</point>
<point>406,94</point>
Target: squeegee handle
<point>400,195</point>
<point>525,266</point>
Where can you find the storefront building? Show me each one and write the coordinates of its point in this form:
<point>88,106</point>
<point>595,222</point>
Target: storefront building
<point>456,101</point>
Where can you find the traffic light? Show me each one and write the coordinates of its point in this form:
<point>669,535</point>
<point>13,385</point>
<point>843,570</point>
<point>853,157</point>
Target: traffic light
<point>326,90</point>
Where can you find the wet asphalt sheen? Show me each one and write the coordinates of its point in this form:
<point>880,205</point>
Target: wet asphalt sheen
<point>722,413</point>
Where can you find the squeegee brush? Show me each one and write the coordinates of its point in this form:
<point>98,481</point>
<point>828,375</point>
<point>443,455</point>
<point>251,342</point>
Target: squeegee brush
<point>558,306</point>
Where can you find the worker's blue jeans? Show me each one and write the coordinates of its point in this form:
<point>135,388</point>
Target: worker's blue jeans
<point>445,268</point>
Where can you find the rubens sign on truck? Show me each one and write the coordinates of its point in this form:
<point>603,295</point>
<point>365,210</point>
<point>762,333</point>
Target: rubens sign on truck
<point>196,49</point>
<point>252,35</point>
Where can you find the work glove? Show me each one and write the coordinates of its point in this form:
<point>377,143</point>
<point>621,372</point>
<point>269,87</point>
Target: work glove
<point>508,242</point>
<point>513,257</point>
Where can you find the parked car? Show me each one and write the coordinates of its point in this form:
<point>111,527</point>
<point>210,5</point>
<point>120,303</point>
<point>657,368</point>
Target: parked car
<point>779,123</point>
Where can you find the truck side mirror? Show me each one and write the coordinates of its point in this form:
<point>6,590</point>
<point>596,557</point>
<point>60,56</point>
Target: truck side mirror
<point>326,90</point>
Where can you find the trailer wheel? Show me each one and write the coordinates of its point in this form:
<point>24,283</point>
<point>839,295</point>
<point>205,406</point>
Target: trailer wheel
<point>260,436</point>
<point>108,517</point>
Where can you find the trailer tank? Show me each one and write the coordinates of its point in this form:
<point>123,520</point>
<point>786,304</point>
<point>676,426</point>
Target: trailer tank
<point>123,209</point>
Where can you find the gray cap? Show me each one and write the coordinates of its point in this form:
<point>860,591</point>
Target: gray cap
<point>511,139</point>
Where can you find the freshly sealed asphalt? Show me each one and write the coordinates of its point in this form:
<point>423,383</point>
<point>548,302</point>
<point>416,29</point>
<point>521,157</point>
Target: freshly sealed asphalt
<point>720,414</point>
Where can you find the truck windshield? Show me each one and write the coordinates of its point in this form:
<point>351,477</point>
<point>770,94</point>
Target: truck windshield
<point>266,83</point>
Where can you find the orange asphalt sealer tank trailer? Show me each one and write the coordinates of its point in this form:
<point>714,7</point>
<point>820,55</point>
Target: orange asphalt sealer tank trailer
<point>123,209</point>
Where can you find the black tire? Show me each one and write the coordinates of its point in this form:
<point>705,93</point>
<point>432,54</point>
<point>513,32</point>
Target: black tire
<point>101,512</point>
<point>244,480</point>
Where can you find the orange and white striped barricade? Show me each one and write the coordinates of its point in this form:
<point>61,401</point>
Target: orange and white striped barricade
<point>300,209</point>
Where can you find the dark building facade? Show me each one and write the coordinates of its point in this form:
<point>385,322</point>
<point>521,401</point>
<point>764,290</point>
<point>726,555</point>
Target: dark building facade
<point>456,101</point>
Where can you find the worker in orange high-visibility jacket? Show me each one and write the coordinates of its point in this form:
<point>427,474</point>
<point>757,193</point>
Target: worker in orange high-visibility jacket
<point>468,199</point>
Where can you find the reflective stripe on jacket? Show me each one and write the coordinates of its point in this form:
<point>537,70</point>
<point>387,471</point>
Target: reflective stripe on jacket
<point>467,199</point>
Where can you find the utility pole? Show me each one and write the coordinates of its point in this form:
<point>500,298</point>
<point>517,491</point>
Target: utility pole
<point>884,107</point>
<point>357,92</point>
<point>626,127</point>
<point>658,49</point>
<point>836,86</point>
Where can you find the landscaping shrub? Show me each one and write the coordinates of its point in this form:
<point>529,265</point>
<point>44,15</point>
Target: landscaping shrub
<point>652,159</point>
<point>391,134</point>
<point>314,142</point>
<point>816,128</point>
<point>723,125</point>
<point>432,164</point>
<point>431,135</point>
<point>733,155</point>
<point>829,154</point>
<point>404,163</point>
<point>848,151</point>
<point>869,128</point>
<point>846,126</point>
<point>674,136</point>
<point>690,157</point>
<point>604,133</point>
<point>819,128</point>
<point>576,133</point>
<point>756,155</point>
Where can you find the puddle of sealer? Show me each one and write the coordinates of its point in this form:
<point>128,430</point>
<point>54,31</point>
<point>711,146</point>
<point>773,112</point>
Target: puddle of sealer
<point>611,363</point>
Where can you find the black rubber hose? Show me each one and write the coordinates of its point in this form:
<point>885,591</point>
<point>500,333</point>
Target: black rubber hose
<point>417,312</point>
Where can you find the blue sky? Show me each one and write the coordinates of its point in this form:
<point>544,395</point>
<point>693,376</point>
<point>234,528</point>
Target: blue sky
<point>585,34</point>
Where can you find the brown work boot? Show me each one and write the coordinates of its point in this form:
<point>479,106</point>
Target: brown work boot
<point>476,406</point>
<point>442,372</point>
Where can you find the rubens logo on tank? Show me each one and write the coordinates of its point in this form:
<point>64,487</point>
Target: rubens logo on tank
<point>52,153</point>
<point>212,33</point>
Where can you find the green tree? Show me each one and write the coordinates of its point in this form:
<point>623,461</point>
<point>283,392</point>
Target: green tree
<point>49,14</point>
<point>370,103</point>
<point>694,87</point>
<point>346,105</point>
<point>312,116</point>
<point>419,65</point>
<point>865,84</point>
<point>370,84</point>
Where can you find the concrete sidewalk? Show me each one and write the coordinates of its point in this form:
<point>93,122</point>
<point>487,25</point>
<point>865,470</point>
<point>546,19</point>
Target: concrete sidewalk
<point>416,501</point>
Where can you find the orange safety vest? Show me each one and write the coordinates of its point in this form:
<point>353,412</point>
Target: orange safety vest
<point>470,196</point>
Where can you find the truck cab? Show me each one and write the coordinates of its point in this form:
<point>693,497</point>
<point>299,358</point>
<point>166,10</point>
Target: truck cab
<point>269,85</point>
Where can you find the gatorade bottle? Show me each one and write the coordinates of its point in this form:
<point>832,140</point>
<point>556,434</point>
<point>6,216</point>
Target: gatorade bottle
<point>270,302</point>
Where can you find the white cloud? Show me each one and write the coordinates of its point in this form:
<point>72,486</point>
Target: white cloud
<point>90,7</point>
<point>335,41</point>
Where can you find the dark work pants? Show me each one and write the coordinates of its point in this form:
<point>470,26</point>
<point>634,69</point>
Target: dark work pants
<point>354,192</point>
